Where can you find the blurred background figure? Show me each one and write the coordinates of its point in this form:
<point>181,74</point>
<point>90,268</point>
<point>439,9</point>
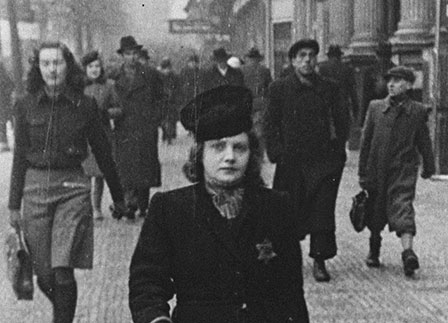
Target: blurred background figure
<point>344,76</point>
<point>170,102</point>
<point>102,90</point>
<point>189,78</point>
<point>6,89</point>
<point>143,57</point>
<point>220,73</point>
<point>140,90</point>
<point>257,78</point>
<point>375,86</point>
<point>235,62</point>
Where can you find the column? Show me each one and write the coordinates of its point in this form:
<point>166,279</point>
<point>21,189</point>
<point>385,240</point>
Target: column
<point>369,23</point>
<point>341,22</point>
<point>417,18</point>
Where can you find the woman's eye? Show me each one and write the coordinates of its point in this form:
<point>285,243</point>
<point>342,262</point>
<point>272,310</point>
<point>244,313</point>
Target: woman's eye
<point>219,146</point>
<point>241,148</point>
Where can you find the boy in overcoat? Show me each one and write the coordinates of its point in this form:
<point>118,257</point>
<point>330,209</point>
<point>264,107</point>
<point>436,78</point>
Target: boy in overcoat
<point>223,245</point>
<point>395,136</point>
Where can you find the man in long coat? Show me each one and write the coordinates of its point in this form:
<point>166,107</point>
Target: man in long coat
<point>257,78</point>
<point>136,136</point>
<point>189,80</point>
<point>306,131</point>
<point>395,134</point>
<point>220,73</point>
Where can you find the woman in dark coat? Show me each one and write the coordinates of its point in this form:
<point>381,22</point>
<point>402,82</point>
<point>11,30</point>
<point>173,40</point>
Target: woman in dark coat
<point>55,123</point>
<point>102,90</point>
<point>395,135</point>
<point>224,245</point>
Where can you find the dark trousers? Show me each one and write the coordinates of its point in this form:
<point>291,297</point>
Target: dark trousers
<point>3,135</point>
<point>321,208</point>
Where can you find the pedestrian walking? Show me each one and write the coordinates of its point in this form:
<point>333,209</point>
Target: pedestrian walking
<point>257,78</point>
<point>143,57</point>
<point>189,80</point>
<point>140,90</point>
<point>344,76</point>
<point>306,131</point>
<point>395,136</point>
<point>169,105</point>
<point>55,122</point>
<point>220,73</point>
<point>6,90</point>
<point>102,90</point>
<point>375,87</point>
<point>223,245</point>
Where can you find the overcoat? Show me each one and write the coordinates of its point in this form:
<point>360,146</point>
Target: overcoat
<point>246,271</point>
<point>136,135</point>
<point>189,81</point>
<point>306,128</point>
<point>392,141</point>
<point>106,98</point>
<point>211,77</point>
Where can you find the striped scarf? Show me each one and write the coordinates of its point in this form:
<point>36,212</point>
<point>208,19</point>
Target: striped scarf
<point>227,201</point>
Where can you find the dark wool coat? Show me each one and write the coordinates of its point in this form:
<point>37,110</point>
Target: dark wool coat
<point>344,75</point>
<point>392,141</point>
<point>106,98</point>
<point>247,271</point>
<point>136,134</point>
<point>211,78</point>
<point>189,80</point>
<point>305,131</point>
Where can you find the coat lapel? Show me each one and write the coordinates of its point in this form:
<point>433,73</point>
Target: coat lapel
<point>122,83</point>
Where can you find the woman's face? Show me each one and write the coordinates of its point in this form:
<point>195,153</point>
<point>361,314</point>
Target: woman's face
<point>225,160</point>
<point>53,66</point>
<point>93,70</point>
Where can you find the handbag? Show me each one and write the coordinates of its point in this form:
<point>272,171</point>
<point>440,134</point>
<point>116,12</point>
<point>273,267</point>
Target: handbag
<point>19,266</point>
<point>360,210</point>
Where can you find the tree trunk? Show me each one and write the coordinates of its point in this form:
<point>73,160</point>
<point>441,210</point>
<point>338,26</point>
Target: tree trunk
<point>16,53</point>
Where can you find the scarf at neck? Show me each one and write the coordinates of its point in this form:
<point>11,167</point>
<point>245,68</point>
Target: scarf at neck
<point>228,201</point>
<point>398,99</point>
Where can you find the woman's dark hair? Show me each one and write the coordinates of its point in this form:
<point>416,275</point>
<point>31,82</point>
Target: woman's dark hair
<point>92,57</point>
<point>74,77</point>
<point>193,169</point>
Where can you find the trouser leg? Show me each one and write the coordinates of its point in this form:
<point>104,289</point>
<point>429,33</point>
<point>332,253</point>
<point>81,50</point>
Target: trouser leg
<point>97,192</point>
<point>3,132</point>
<point>143,199</point>
<point>323,245</point>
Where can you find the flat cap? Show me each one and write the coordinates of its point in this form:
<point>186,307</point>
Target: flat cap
<point>224,111</point>
<point>402,72</point>
<point>303,43</point>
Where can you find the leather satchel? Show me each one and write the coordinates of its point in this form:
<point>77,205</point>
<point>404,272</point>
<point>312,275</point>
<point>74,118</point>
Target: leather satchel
<point>360,211</point>
<point>19,266</point>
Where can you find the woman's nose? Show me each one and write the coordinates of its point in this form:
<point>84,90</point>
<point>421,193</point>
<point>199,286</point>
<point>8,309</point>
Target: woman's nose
<point>229,154</point>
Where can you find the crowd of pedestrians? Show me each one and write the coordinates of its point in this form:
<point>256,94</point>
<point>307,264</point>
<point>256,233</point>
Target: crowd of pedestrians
<point>226,246</point>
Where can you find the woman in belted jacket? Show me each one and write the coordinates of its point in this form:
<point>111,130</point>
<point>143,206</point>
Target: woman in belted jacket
<point>54,123</point>
<point>223,245</point>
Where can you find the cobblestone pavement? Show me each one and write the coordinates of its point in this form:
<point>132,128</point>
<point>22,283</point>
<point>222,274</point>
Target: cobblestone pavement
<point>355,293</point>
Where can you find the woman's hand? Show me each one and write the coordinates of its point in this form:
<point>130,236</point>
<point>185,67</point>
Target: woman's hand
<point>14,219</point>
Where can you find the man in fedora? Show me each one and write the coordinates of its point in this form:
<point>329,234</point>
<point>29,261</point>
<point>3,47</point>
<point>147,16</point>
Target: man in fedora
<point>257,78</point>
<point>220,73</point>
<point>140,90</point>
<point>306,131</point>
<point>344,76</point>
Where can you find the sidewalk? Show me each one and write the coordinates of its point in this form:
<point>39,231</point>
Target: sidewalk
<point>355,293</point>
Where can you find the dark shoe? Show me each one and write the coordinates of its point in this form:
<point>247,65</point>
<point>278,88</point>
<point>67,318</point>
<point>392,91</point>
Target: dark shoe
<point>320,273</point>
<point>372,261</point>
<point>410,262</point>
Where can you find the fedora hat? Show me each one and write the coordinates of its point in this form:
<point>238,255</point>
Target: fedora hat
<point>128,42</point>
<point>254,53</point>
<point>334,51</point>
<point>220,54</point>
